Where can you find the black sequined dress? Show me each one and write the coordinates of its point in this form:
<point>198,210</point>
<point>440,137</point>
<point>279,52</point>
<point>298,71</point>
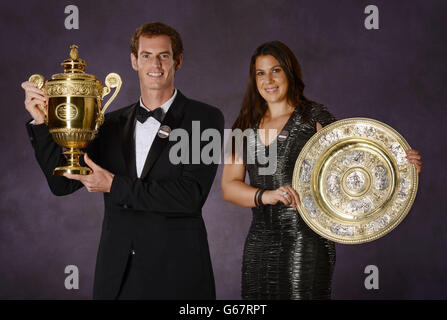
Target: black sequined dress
<point>283,258</point>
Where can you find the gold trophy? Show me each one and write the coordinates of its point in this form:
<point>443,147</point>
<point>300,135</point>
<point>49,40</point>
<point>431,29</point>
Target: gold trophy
<point>74,112</point>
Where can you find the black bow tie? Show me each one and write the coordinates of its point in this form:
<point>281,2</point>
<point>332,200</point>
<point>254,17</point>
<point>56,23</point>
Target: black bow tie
<point>143,114</point>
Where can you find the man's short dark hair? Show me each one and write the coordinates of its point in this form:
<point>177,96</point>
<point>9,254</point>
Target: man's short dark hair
<point>151,29</point>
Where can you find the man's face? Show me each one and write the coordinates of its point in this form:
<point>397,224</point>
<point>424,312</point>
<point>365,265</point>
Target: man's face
<point>155,63</point>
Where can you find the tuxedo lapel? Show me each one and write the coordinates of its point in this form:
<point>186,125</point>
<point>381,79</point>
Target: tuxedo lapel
<point>172,120</point>
<point>127,127</point>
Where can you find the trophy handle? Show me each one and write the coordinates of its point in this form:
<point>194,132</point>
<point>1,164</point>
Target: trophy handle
<point>39,80</point>
<point>113,80</point>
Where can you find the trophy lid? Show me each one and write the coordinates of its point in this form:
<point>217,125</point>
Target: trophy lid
<point>74,64</point>
<point>74,67</point>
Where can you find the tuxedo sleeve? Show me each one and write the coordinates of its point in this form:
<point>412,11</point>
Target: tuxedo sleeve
<point>49,156</point>
<point>183,196</point>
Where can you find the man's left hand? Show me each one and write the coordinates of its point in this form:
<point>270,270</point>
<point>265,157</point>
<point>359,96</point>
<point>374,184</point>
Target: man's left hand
<point>99,181</point>
<point>415,158</point>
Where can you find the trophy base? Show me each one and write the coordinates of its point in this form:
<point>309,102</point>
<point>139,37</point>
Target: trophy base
<point>59,171</point>
<point>73,166</point>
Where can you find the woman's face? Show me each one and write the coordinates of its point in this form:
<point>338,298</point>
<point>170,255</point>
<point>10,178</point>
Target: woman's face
<point>271,79</point>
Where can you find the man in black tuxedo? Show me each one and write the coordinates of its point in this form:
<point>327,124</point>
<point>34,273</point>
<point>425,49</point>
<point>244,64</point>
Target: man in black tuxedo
<point>153,243</point>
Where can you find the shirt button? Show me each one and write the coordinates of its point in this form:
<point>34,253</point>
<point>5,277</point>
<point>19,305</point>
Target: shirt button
<point>125,206</point>
<point>133,252</point>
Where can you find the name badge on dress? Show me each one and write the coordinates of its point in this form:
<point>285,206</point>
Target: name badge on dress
<point>283,135</point>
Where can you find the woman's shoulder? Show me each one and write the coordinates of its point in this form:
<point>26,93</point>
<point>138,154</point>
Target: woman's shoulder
<point>320,113</point>
<point>316,108</point>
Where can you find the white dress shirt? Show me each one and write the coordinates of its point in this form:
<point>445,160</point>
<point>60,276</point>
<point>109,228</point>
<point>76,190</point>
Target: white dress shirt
<point>145,134</point>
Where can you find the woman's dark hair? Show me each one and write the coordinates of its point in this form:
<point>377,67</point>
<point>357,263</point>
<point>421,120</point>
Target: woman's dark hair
<point>253,105</point>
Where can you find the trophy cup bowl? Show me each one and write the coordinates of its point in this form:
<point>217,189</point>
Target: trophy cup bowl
<point>74,112</point>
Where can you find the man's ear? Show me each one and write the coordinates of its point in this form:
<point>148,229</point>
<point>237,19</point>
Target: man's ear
<point>134,62</point>
<point>178,62</point>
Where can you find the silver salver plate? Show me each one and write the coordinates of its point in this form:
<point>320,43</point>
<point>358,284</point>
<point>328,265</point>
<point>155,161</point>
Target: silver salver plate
<point>354,180</point>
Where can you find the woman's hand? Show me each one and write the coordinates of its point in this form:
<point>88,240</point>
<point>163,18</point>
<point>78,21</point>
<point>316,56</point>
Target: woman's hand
<point>415,158</point>
<point>284,194</point>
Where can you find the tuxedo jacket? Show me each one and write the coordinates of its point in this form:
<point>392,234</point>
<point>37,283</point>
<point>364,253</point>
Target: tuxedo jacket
<point>158,215</point>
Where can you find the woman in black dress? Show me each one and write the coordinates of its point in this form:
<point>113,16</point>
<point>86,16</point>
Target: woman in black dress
<point>283,258</point>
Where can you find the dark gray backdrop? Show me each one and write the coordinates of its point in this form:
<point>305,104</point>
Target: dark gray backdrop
<point>395,74</point>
